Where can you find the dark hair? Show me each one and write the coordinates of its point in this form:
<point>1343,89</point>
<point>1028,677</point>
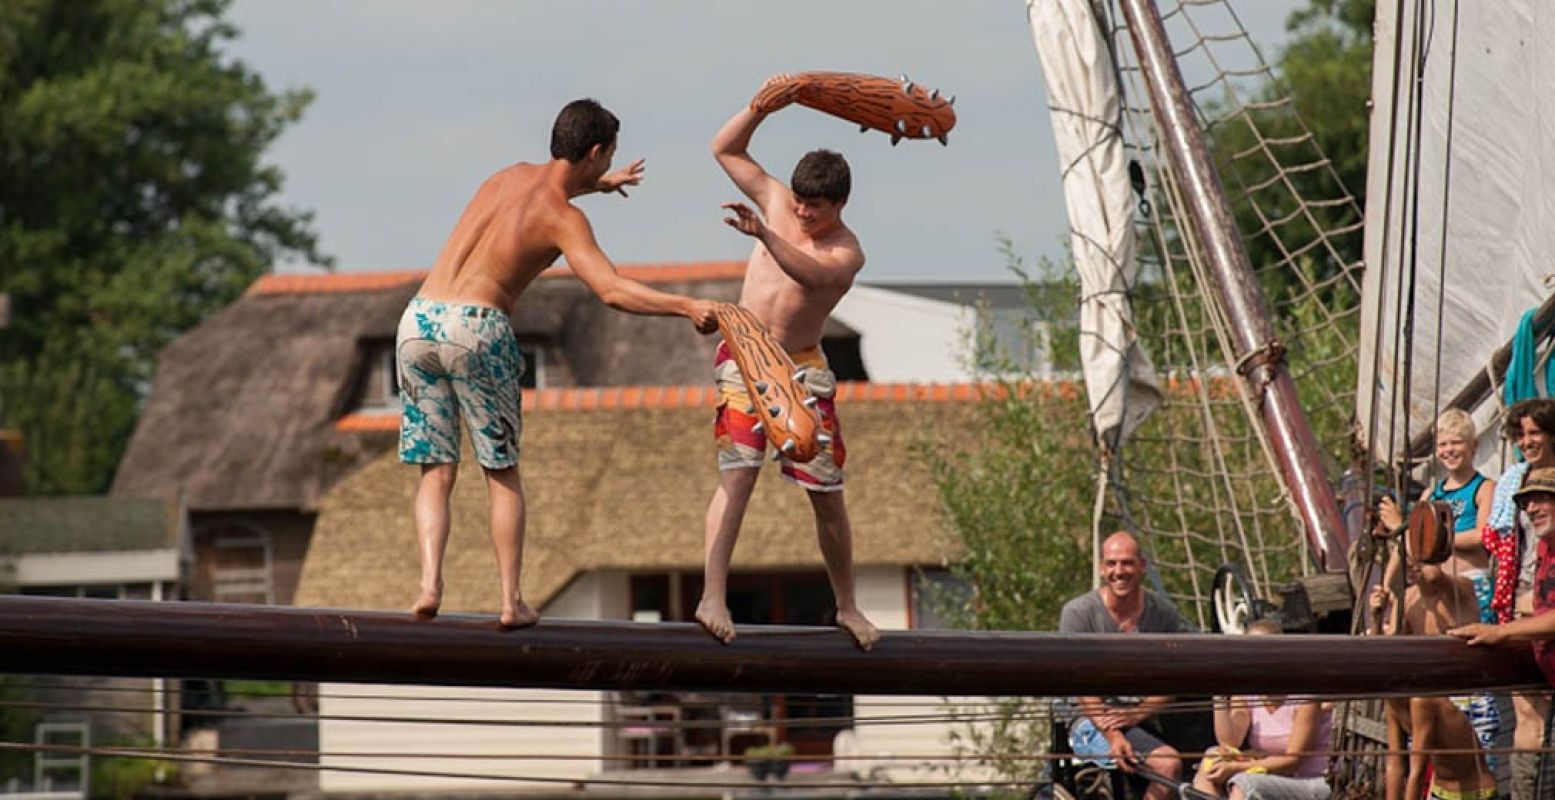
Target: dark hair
<point>1539,409</point>
<point>581,125</point>
<point>822,174</point>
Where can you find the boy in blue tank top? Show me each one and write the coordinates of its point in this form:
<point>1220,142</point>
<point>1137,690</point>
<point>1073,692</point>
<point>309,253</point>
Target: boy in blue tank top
<point>1469,493</point>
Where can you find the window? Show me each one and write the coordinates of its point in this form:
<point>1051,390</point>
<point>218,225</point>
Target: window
<point>98,591</point>
<point>650,598</point>
<point>1009,340</point>
<point>378,386</point>
<point>937,596</point>
<point>57,772</point>
<point>534,365</point>
<point>236,563</point>
<point>388,395</point>
<point>844,356</point>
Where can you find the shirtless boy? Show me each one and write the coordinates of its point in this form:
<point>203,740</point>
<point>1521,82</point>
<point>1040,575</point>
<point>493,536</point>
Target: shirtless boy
<point>1433,606</point>
<point>803,262</point>
<point>457,354</point>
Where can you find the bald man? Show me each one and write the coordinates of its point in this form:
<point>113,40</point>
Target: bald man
<point>1111,728</point>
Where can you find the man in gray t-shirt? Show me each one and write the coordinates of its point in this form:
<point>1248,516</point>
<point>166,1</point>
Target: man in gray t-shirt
<point>1109,730</point>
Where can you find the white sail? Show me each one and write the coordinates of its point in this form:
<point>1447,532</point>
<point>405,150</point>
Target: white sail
<point>1083,101</point>
<point>1474,232</point>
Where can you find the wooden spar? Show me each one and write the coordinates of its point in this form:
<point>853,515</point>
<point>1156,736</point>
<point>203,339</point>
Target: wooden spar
<point>48,635</point>
<point>1260,357</point>
<point>1478,387</point>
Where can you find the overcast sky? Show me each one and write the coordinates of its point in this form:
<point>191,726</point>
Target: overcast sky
<point>418,102</point>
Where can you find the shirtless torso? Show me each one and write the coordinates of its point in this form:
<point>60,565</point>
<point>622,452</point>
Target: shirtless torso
<point>1436,730</point>
<point>505,237</point>
<point>794,313</point>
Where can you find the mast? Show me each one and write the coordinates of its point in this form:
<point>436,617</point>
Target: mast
<point>1259,356</point>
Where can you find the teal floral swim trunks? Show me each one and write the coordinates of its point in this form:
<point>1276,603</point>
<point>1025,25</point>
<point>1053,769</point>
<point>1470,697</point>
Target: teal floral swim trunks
<point>458,360</point>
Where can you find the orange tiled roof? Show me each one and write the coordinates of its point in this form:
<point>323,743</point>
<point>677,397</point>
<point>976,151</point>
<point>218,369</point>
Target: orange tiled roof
<point>311,283</point>
<point>699,396</point>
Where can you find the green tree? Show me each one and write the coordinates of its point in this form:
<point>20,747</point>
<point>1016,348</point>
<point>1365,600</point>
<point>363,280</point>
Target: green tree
<point>1009,487</point>
<point>133,203</point>
<point>1325,72</point>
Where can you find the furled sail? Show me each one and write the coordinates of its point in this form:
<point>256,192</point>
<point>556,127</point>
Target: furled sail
<point>1083,99</point>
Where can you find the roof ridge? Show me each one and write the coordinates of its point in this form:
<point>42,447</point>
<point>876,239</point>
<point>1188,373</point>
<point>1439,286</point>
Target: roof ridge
<point>368,281</point>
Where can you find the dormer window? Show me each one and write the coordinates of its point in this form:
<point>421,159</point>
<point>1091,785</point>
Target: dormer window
<point>379,389</point>
<point>533,352</point>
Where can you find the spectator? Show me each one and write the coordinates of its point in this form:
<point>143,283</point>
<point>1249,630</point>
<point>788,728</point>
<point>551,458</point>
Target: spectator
<point>1285,737</point>
<point>1513,550</point>
<point>1113,730</point>
<point>1469,493</point>
<point>1536,502</point>
<point>1446,738</point>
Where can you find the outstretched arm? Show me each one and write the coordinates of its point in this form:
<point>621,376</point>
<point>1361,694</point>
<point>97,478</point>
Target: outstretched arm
<point>1527,629</point>
<point>593,267</point>
<point>629,175</point>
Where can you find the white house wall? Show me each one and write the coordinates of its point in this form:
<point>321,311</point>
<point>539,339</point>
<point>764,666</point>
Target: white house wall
<point>605,594</point>
<point>80,569</point>
<point>905,338</point>
<point>884,595</point>
<point>450,741</point>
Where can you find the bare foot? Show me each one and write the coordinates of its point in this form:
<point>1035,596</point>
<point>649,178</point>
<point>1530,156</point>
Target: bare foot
<point>861,629</point>
<point>715,620</point>
<point>519,616</point>
<point>427,605</point>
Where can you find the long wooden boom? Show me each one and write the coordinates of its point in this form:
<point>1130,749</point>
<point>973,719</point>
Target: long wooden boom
<point>40,635</point>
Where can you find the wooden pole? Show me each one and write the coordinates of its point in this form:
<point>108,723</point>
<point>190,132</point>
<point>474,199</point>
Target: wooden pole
<point>66,636</point>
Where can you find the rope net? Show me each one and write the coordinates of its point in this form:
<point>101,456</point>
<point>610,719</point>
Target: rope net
<point>1198,481</point>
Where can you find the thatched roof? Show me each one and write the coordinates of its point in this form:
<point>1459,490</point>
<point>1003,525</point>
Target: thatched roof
<point>35,525</point>
<point>243,408</point>
<point>627,488</point>
<point>240,410</point>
